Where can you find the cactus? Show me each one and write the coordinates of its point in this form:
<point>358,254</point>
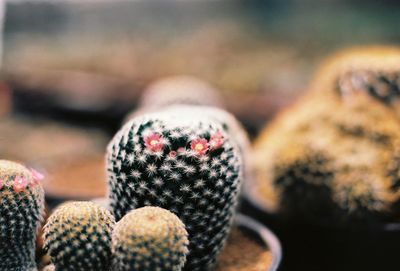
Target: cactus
<point>21,213</point>
<point>180,90</point>
<point>78,237</point>
<point>149,238</point>
<point>335,158</point>
<point>183,162</point>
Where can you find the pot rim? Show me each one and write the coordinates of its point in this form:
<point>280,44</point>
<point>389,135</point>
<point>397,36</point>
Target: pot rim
<point>267,236</point>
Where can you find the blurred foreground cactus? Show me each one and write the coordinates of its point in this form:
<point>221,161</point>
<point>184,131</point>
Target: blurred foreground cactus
<point>183,162</point>
<point>151,239</point>
<point>333,155</point>
<point>78,237</point>
<point>21,212</point>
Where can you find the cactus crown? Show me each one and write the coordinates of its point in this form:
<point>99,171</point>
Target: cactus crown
<point>149,238</point>
<point>21,212</point>
<point>182,162</point>
<point>78,237</point>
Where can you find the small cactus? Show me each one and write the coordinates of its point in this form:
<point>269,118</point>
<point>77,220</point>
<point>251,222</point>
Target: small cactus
<point>151,239</point>
<point>78,237</point>
<point>21,213</point>
<point>183,162</point>
<point>336,157</point>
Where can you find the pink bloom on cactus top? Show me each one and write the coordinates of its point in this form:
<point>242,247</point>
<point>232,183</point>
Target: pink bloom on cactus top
<point>154,142</point>
<point>20,183</point>
<point>217,140</point>
<point>199,146</point>
<point>172,153</point>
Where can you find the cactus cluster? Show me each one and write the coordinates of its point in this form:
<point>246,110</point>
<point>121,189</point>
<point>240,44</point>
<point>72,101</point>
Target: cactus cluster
<point>184,162</point>
<point>21,213</point>
<point>334,157</point>
<point>149,238</point>
<point>78,237</point>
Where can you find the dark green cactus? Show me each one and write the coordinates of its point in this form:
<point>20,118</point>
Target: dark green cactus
<point>183,162</point>
<point>78,237</point>
<point>151,239</point>
<point>21,212</point>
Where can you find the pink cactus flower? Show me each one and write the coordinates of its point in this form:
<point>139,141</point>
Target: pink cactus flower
<point>20,183</point>
<point>172,153</point>
<point>199,146</point>
<point>181,150</point>
<point>154,142</point>
<point>217,140</point>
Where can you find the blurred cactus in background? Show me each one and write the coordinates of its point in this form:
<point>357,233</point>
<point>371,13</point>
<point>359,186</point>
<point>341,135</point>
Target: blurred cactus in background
<point>180,90</point>
<point>78,237</point>
<point>332,155</point>
<point>183,162</point>
<point>21,212</point>
<point>151,239</point>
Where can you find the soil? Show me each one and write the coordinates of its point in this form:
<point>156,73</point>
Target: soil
<point>243,252</point>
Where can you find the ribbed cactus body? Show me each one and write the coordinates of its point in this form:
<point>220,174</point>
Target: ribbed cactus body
<point>151,239</point>
<point>182,162</point>
<point>78,237</point>
<point>21,212</point>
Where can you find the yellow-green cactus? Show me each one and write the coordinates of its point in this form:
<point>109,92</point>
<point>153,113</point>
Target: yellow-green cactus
<point>78,237</point>
<point>151,239</point>
<point>334,154</point>
<point>21,212</point>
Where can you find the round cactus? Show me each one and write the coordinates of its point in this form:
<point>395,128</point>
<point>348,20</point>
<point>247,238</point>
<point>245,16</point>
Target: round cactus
<point>180,90</point>
<point>183,162</point>
<point>21,213</point>
<point>78,237</point>
<point>149,238</point>
<point>332,157</point>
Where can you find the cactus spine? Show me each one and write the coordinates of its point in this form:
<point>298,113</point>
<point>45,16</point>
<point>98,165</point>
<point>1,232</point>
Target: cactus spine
<point>151,239</point>
<point>78,237</point>
<point>182,162</point>
<point>21,212</point>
